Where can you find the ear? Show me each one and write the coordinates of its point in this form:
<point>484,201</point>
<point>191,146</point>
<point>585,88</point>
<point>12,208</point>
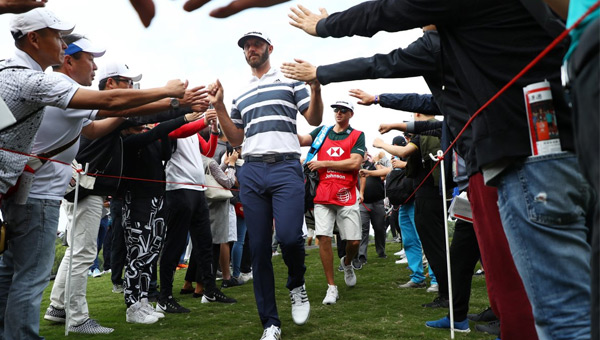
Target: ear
<point>34,39</point>
<point>270,49</point>
<point>68,60</point>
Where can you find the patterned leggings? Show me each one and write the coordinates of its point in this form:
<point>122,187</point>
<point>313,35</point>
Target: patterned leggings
<point>144,225</point>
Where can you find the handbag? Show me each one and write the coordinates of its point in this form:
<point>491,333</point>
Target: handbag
<point>214,191</point>
<point>311,178</point>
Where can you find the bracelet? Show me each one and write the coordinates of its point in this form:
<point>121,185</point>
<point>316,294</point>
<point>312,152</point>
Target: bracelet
<point>376,101</point>
<point>185,119</point>
<point>214,133</point>
<point>230,167</point>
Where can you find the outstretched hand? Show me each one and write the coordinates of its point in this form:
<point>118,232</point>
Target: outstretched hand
<point>20,6</point>
<point>363,97</point>
<point>300,70</point>
<point>306,20</point>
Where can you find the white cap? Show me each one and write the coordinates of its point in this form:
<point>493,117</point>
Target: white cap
<point>254,34</point>
<point>343,103</point>
<point>84,45</point>
<point>36,19</point>
<point>112,69</point>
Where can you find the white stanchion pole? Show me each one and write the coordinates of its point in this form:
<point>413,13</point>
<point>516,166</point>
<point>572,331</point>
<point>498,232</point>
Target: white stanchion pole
<point>439,157</point>
<point>71,238</point>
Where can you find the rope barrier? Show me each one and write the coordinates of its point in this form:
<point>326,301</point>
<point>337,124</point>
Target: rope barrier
<point>542,54</point>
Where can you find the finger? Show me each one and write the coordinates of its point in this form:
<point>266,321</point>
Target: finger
<point>304,10</point>
<point>192,5</point>
<point>323,11</point>
<point>145,10</point>
<point>197,88</point>
<point>299,61</point>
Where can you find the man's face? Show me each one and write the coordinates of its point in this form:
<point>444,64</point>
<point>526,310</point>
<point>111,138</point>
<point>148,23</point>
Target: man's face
<point>83,68</point>
<point>122,82</point>
<point>342,114</point>
<point>51,46</point>
<point>256,52</point>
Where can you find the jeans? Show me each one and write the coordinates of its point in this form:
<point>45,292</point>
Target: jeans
<point>411,241</point>
<point>543,204</point>
<point>238,247</point>
<point>25,266</point>
<point>373,214</point>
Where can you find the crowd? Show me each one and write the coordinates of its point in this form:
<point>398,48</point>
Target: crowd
<point>532,236</point>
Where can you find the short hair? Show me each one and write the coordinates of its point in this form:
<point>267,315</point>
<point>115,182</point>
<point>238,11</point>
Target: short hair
<point>102,84</point>
<point>71,38</point>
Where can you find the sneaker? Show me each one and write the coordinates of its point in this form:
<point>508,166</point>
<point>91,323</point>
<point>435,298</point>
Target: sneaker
<point>341,268</point>
<point>331,296</point>
<point>90,326</point>
<point>400,253</point>
<point>486,316</point>
<point>149,309</point>
<point>90,272</point>
<point>434,288</point>
<point>271,333</point>
<point>170,305</point>
<point>108,271</point>
<point>444,323</point>
<point>136,314</point>
<point>490,328</point>
<point>276,253</point>
<point>413,284</point>
<point>217,296</point>
<point>425,261</point>
<point>438,302</point>
<point>356,264</point>
<point>382,256</point>
<point>300,305</point>
<point>219,275</point>
<point>479,272</point>
<point>349,275</point>
<point>403,260</point>
<point>232,282</point>
<point>246,276</point>
<point>96,273</point>
<point>363,260</point>
<point>55,314</point>
<point>117,288</point>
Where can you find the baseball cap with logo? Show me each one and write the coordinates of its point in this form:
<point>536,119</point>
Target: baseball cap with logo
<point>399,140</point>
<point>84,45</point>
<point>343,103</point>
<point>113,69</point>
<point>253,34</point>
<point>37,19</point>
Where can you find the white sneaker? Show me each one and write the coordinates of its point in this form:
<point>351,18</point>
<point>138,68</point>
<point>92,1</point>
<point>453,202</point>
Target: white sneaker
<point>96,273</point>
<point>400,253</point>
<point>300,305</point>
<point>331,296</point>
<point>246,276</point>
<point>402,261</point>
<point>434,288</point>
<point>149,309</point>
<point>135,314</point>
<point>349,275</point>
<point>271,333</point>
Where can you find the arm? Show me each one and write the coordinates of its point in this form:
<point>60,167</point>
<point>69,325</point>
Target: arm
<point>234,134</point>
<point>561,7</point>
<point>396,150</point>
<point>192,128</point>
<point>100,128</point>
<point>20,6</point>
<point>314,113</point>
<point>350,164</point>
<point>227,180</point>
<point>159,131</point>
<point>124,98</point>
<point>305,140</point>
<point>209,148</point>
<point>374,173</point>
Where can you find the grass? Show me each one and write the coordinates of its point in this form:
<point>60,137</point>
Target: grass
<point>374,309</point>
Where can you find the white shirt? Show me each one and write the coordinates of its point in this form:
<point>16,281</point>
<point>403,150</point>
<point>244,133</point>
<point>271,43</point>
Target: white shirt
<point>185,165</point>
<point>58,128</point>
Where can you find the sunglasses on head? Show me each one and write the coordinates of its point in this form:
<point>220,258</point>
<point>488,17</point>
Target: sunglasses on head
<point>340,109</point>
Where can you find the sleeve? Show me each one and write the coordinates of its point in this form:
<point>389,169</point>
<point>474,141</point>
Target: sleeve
<point>48,89</point>
<point>410,102</point>
<point>158,132</point>
<point>301,96</point>
<point>209,148</point>
<point>429,128</point>
<point>417,59</point>
<point>188,129</point>
<point>227,180</point>
<point>359,146</point>
<point>314,133</point>
<point>370,17</point>
<point>236,116</point>
<point>160,116</point>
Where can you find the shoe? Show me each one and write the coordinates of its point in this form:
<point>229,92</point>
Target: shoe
<point>219,275</point>
<point>182,266</point>
<point>490,328</point>
<point>403,260</point>
<point>425,261</point>
<point>232,282</point>
<point>363,260</point>
<point>400,253</point>
<point>96,273</point>
<point>331,296</point>
<point>136,314</point>
<point>90,326</point>
<point>90,272</point>
<point>149,309</point>
<point>186,291</point>
<point>271,333</point>
<point>117,288</point>
<point>341,268</point>
<point>383,256</point>
<point>246,276</point>
<point>217,296</point>
<point>55,314</point>
<point>276,253</point>
<point>479,272</point>
<point>349,275</point>
<point>300,305</point>
<point>356,264</point>
<point>413,284</point>
<point>170,305</point>
<point>444,323</point>
<point>438,302</point>
<point>108,271</point>
<point>486,316</point>
<point>434,288</point>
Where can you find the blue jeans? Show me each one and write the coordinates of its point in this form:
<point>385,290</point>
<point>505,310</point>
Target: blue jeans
<point>543,204</point>
<point>411,241</point>
<point>104,224</point>
<point>238,247</point>
<point>26,265</point>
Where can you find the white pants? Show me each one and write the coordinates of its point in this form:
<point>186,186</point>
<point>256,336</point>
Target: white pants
<point>85,248</point>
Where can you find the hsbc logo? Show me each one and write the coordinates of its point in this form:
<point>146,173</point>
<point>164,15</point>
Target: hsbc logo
<point>335,151</point>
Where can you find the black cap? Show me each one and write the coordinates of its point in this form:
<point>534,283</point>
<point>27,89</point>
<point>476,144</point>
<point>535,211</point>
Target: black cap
<point>399,140</point>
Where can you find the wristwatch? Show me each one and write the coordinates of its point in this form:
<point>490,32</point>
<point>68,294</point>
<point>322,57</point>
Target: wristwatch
<point>174,103</point>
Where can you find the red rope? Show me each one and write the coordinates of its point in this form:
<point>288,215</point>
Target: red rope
<point>509,84</point>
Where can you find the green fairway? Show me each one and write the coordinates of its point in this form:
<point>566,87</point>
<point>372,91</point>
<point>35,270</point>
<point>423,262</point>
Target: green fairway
<point>374,309</point>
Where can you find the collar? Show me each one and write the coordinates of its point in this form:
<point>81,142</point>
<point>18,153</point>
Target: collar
<point>272,71</point>
<point>21,58</point>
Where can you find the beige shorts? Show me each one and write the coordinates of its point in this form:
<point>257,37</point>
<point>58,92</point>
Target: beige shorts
<point>347,219</point>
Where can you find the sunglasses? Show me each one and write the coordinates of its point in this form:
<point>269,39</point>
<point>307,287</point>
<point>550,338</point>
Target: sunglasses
<point>127,80</point>
<point>342,110</point>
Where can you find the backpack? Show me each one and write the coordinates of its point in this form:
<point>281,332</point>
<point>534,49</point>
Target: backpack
<point>311,178</point>
<point>398,187</point>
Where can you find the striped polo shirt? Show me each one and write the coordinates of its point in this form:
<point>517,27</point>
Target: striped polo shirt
<point>267,111</point>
